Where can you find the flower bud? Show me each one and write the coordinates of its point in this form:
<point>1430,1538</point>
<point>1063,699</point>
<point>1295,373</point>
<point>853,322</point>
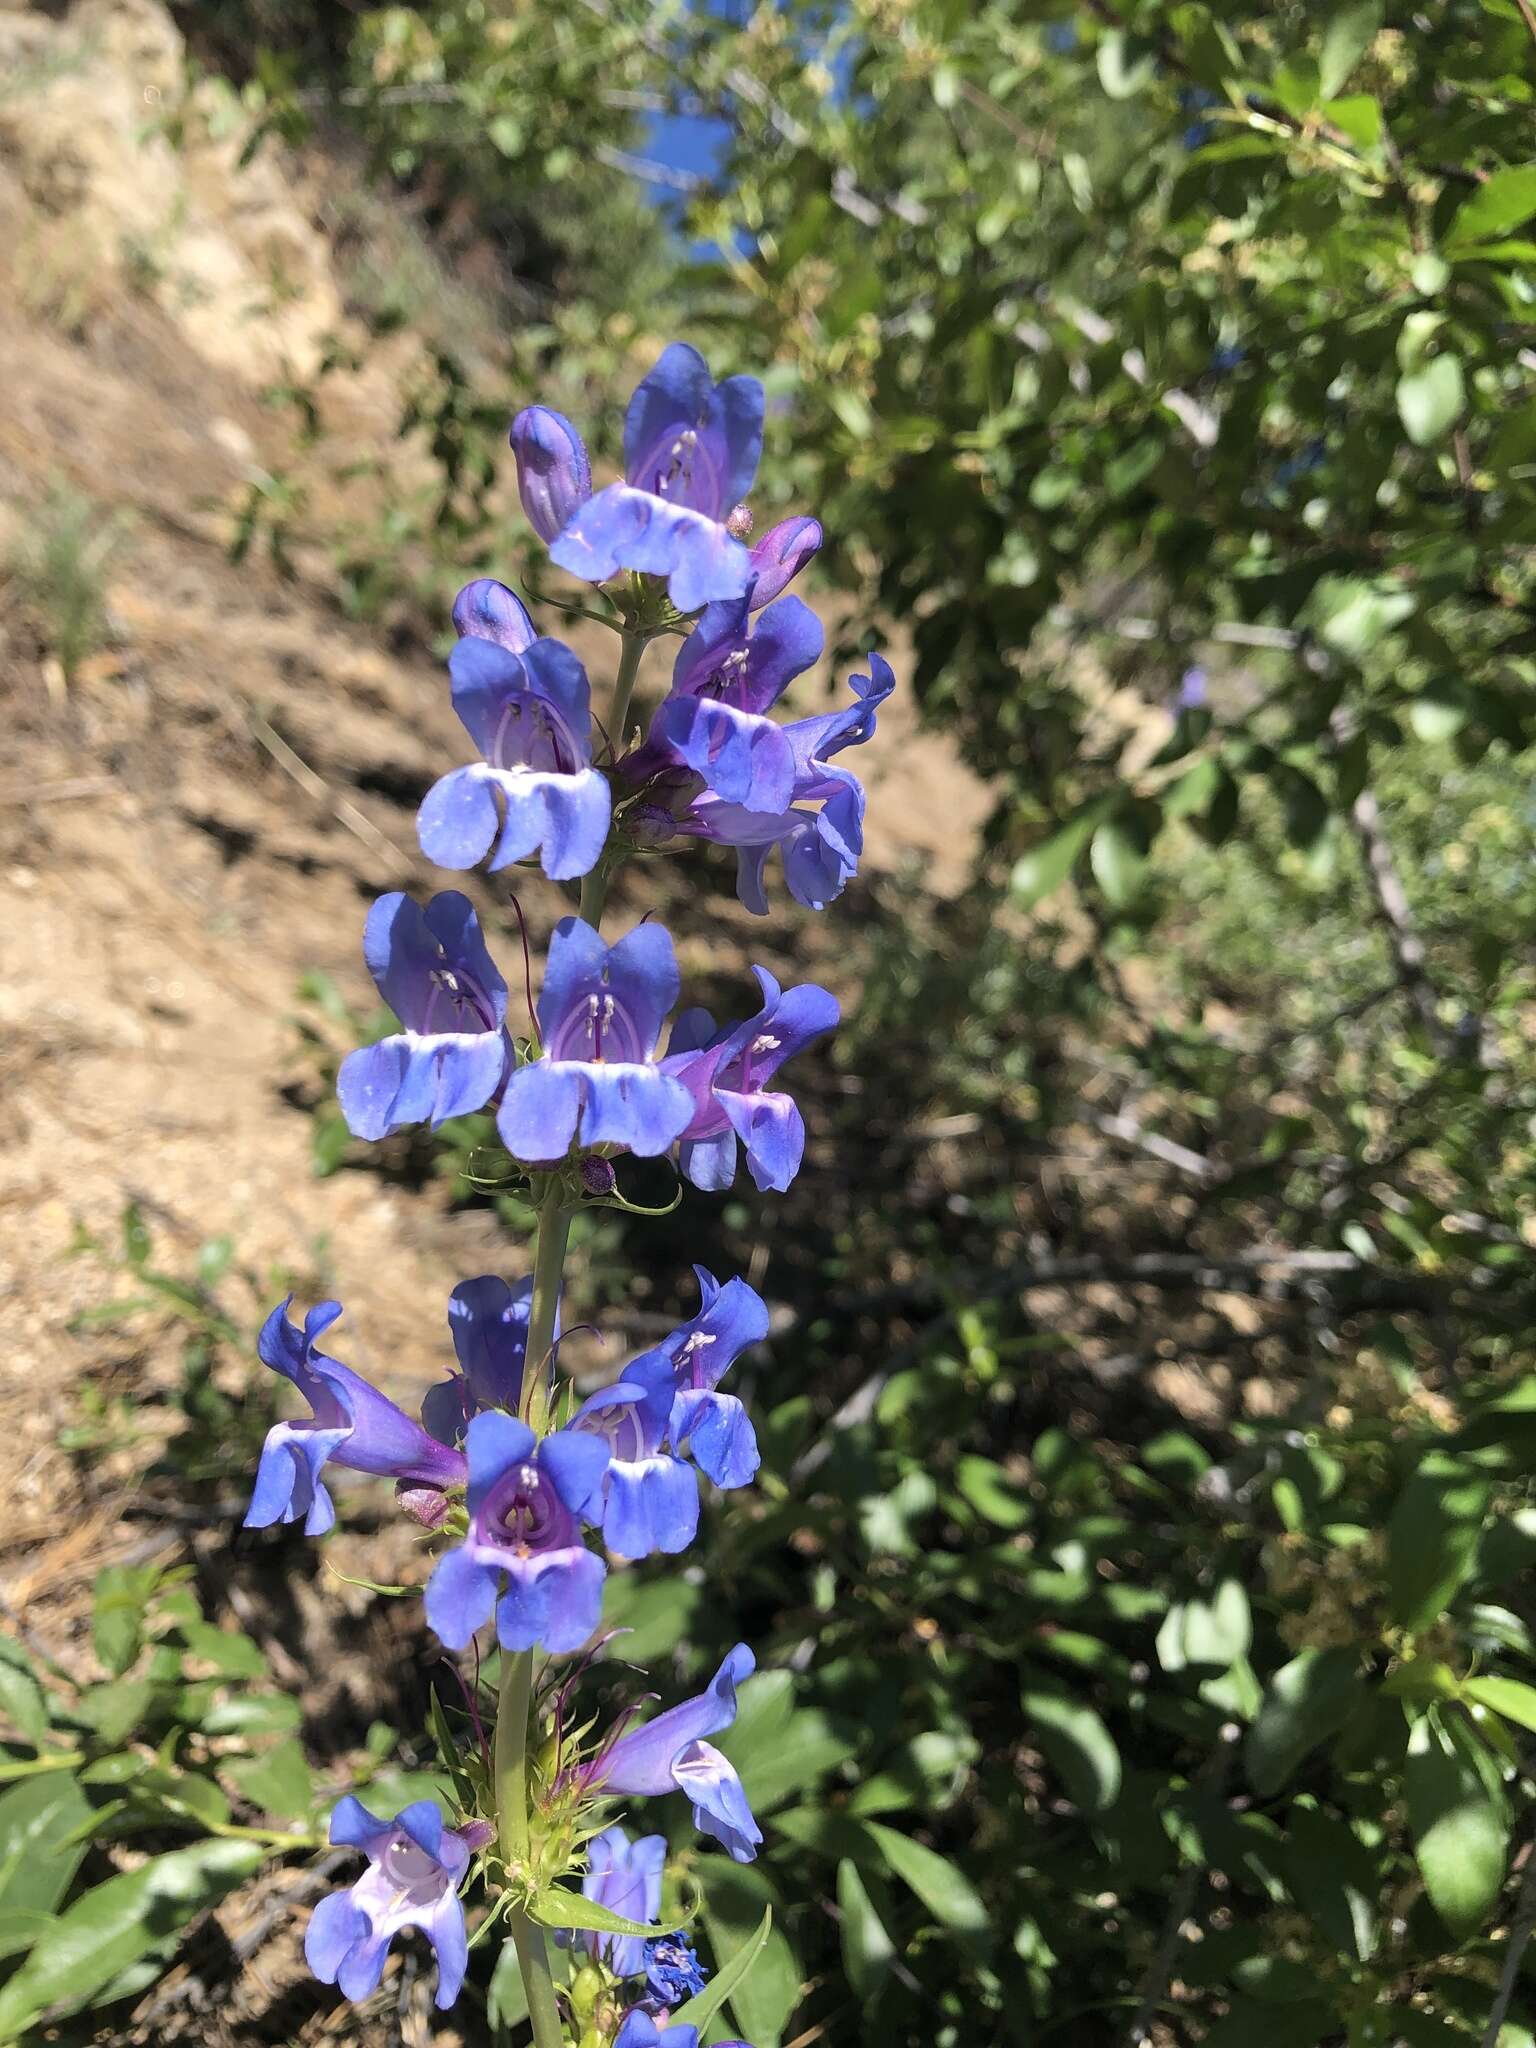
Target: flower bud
<point>427,1505</point>
<point>780,555</point>
<point>553,473</point>
<point>597,1175</point>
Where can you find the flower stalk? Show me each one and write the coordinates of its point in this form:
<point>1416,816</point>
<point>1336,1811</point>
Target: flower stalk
<point>527,1508</point>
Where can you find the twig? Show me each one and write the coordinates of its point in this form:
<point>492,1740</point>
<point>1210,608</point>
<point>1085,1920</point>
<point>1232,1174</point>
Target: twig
<point>1396,916</point>
<point>315,785</point>
<point>1524,1923</point>
<point>60,792</point>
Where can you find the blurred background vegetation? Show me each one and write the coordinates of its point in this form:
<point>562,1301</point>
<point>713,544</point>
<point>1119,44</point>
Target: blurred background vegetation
<point>1141,1572</point>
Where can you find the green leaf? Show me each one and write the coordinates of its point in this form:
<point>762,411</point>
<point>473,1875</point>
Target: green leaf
<point>1460,1832</point>
<point>1349,34</point>
<point>1505,201</point>
<point>1507,1697</point>
<point>1432,1538</point>
<point>122,1594</point>
<point>1117,854</point>
<point>115,1710</point>
<point>1218,1631</point>
<point>868,1950</point>
<point>1308,1700</point>
<point>1078,1745</point>
<point>1126,63</point>
<point>257,1713</point>
<point>23,1702</point>
<point>990,1491</point>
<point>111,1927</point>
<point>1353,615</point>
<point>945,1890</point>
<point>558,1907</point>
<point>231,1654</point>
<point>735,1896</point>
<point>1431,399</point>
<point>43,1825</point>
<point>700,2010</point>
<point>1332,1876</point>
<point>280,1782</point>
<point>1046,866</point>
<point>507,2001</point>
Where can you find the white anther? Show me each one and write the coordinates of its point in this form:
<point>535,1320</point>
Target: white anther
<point>767,1043</point>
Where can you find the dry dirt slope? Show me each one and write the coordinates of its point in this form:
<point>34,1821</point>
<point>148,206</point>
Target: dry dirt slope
<point>205,812</point>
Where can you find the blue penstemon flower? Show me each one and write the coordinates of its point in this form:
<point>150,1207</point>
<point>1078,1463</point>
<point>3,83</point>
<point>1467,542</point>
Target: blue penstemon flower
<point>664,1410</point>
<point>523,1558</point>
<point>600,1014</point>
<point>415,1866</point>
<point>691,449</point>
<point>432,968</point>
<point>350,1423</point>
<point>534,790</point>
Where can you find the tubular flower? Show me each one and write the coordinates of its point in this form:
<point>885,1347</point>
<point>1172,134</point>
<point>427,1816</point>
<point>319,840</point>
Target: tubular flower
<point>691,450</point>
<point>781,554</point>
<point>600,1015</point>
<point>534,789</point>
<point>665,1409</point>
<point>554,474</point>
<point>729,673</point>
<point>350,1424</point>
<point>523,1556</point>
<point>432,968</point>
<point>415,1866</point>
<point>821,848</point>
<point>670,1754</point>
<point>488,1322</point>
<point>625,1877</point>
<point>727,1072</point>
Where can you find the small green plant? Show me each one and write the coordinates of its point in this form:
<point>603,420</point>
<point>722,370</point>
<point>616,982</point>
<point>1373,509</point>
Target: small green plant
<point>59,569</point>
<point>217,1418</point>
<point>182,1749</point>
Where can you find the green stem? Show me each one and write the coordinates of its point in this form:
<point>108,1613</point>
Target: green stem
<point>509,1759</point>
<point>634,645</point>
<point>510,1755</point>
<point>549,1247</point>
<point>594,890</point>
<point>538,1984</point>
<point>61,1760</point>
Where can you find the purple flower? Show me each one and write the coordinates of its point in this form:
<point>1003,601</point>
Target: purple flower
<point>487,610</point>
<point>665,1409</point>
<point>673,1972</point>
<point>780,555</point>
<point>554,475</point>
<point>534,789</point>
<point>600,1013</point>
<point>432,968</point>
<point>691,450</point>
<point>488,1321</point>
<point>523,1556</point>
<point>639,2030</point>
<point>415,1865</point>
<point>670,1754</point>
<point>727,1073</point>
<point>729,673</point>
<point>350,1424</point>
<point>625,1877</point>
<point>821,848</point>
